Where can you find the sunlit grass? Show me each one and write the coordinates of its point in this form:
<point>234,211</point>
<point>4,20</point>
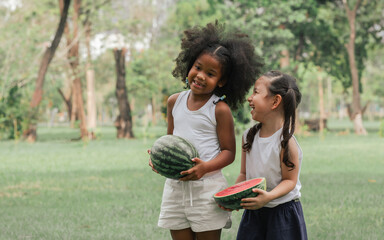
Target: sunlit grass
<point>103,189</point>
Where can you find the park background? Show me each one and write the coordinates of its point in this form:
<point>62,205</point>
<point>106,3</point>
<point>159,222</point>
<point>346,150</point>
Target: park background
<point>83,87</point>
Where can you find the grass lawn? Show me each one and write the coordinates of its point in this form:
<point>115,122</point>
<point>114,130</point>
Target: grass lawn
<point>104,189</point>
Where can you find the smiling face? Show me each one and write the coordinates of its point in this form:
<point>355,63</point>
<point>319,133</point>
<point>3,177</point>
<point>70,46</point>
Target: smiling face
<point>205,75</point>
<point>261,101</point>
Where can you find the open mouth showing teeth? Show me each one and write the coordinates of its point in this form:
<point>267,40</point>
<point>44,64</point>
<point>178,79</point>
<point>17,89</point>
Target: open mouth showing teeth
<point>198,84</point>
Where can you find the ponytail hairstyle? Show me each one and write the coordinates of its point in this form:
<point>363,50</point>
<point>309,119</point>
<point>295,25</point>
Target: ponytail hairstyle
<point>284,85</point>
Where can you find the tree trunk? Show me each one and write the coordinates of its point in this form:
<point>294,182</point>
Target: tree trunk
<point>91,99</point>
<point>284,60</point>
<point>123,122</point>
<point>68,102</point>
<point>132,105</point>
<point>79,102</point>
<point>73,57</point>
<point>90,76</point>
<point>350,46</point>
<point>330,101</point>
<point>153,113</point>
<point>74,116</point>
<point>30,134</point>
<point>321,102</point>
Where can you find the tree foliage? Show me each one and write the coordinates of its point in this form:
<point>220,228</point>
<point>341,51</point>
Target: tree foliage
<point>12,114</point>
<point>313,32</point>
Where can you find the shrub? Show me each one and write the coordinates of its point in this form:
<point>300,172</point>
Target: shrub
<point>12,115</point>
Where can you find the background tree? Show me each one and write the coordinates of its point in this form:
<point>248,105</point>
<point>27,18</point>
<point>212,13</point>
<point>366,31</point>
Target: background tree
<point>30,134</point>
<point>305,38</point>
<point>123,122</point>
<point>73,44</point>
<point>356,115</point>
<point>90,78</point>
<point>312,31</point>
<point>355,26</point>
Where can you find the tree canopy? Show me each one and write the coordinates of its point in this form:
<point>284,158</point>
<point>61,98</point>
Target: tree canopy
<point>300,37</point>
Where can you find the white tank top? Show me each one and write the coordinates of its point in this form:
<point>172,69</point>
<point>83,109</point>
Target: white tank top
<point>198,127</point>
<point>263,160</point>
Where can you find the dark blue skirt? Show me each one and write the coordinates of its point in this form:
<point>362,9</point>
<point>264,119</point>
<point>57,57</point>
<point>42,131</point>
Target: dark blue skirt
<point>283,222</point>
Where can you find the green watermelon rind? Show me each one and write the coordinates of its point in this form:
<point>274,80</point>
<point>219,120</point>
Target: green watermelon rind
<point>233,201</point>
<point>183,151</point>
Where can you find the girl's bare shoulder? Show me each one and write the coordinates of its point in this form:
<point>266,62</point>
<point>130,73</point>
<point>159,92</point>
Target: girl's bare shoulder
<point>172,99</point>
<point>222,110</point>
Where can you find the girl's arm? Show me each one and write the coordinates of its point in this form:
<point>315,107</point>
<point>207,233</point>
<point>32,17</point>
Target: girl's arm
<point>242,176</point>
<point>170,103</point>
<point>226,135</point>
<point>287,184</point>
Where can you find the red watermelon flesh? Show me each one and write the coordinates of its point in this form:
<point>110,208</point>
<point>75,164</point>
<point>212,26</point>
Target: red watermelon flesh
<point>231,197</point>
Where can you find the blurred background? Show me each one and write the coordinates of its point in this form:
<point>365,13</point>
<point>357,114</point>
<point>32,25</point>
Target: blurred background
<point>87,83</point>
<point>86,64</point>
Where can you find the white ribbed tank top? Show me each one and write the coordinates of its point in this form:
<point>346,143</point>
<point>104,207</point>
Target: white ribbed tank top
<point>198,127</point>
<point>263,160</point>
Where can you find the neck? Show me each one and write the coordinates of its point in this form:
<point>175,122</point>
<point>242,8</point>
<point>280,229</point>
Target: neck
<point>271,125</point>
<point>195,102</point>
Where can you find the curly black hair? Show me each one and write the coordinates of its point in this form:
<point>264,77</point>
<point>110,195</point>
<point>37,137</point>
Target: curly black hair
<point>240,64</point>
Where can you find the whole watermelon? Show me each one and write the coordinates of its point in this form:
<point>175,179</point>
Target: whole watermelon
<point>231,197</point>
<point>171,155</point>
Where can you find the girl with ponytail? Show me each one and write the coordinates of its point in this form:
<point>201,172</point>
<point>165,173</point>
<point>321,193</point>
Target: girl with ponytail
<point>270,150</point>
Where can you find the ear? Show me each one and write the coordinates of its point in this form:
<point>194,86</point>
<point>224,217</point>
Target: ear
<point>222,82</point>
<point>276,101</point>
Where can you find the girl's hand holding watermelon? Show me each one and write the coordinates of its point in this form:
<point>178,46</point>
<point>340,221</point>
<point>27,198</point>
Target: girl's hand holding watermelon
<point>196,172</point>
<point>256,202</point>
<point>226,209</point>
<point>150,163</point>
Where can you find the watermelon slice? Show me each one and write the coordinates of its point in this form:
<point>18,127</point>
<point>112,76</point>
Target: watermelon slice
<point>231,197</point>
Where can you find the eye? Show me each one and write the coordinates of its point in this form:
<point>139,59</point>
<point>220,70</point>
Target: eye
<point>197,67</point>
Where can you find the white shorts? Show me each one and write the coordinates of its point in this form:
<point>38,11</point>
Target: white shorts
<point>190,204</point>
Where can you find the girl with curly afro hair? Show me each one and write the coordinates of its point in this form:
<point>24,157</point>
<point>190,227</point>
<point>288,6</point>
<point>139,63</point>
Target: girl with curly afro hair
<point>219,68</point>
<point>234,51</point>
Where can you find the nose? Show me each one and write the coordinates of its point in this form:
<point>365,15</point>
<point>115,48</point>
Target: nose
<point>249,99</point>
<point>200,76</point>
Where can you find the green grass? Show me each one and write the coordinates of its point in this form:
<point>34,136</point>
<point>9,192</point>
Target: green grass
<point>104,189</point>
<point>343,179</point>
<point>336,125</point>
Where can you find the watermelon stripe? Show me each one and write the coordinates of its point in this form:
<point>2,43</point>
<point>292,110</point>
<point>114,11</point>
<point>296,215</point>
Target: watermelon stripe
<point>181,145</point>
<point>232,200</point>
<point>172,154</point>
<point>177,152</point>
<point>194,152</point>
<point>178,168</point>
<point>170,166</point>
